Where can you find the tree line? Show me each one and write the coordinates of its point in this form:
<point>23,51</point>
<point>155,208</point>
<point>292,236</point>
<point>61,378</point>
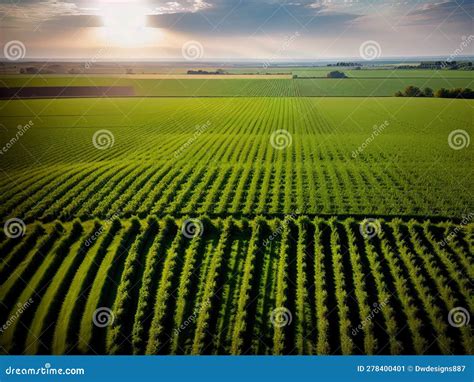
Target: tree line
<point>414,91</point>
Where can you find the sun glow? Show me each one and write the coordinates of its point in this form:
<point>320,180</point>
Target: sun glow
<point>125,24</point>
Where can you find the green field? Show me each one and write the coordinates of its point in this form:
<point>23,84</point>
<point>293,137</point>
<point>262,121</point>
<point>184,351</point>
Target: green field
<point>369,86</point>
<point>232,167</point>
<point>365,72</point>
<point>214,293</point>
<point>269,223</point>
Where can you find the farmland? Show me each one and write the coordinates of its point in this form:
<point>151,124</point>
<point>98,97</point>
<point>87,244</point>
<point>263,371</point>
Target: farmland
<point>370,86</point>
<point>231,165</point>
<point>165,304</point>
<point>250,218</point>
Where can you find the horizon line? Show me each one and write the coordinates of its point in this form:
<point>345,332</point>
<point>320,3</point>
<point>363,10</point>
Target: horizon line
<point>239,60</point>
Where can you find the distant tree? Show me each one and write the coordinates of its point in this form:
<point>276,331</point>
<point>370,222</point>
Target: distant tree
<point>413,91</point>
<point>336,74</point>
<point>455,93</point>
<point>200,71</point>
<point>442,93</point>
<point>295,76</point>
<point>428,92</point>
<point>399,94</point>
<point>31,70</point>
<point>467,93</point>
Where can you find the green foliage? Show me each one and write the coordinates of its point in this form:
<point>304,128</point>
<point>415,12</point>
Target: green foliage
<point>413,91</point>
<point>231,167</point>
<point>310,82</point>
<point>336,74</point>
<point>214,293</point>
<point>465,93</point>
<point>196,296</point>
<point>428,92</point>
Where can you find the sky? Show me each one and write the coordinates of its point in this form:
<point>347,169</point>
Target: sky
<point>272,30</point>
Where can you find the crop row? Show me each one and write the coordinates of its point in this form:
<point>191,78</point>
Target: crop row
<point>162,167</point>
<point>263,286</point>
<point>364,83</point>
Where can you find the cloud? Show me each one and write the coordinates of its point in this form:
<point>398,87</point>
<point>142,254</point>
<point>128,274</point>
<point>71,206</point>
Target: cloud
<point>246,28</point>
<point>28,14</point>
<point>37,9</point>
<point>459,11</point>
<point>254,17</point>
<point>187,6</point>
<point>74,21</point>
